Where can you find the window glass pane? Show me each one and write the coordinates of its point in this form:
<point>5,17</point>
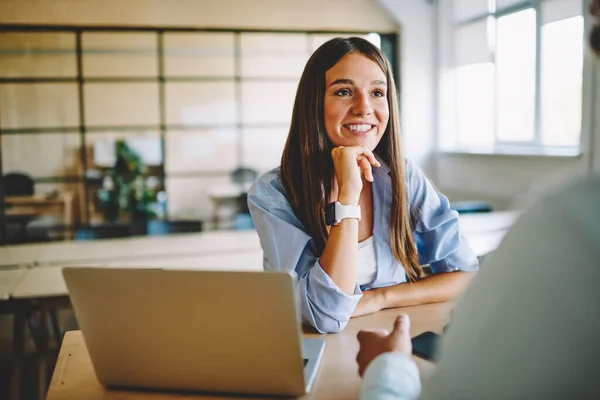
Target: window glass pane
<point>199,54</point>
<point>41,155</point>
<point>119,54</point>
<point>201,150</point>
<point>475,105</point>
<point>188,197</point>
<point>111,104</point>
<point>262,148</point>
<point>465,9</point>
<point>472,43</point>
<point>264,102</point>
<point>515,63</point>
<point>273,55</point>
<point>561,80</point>
<point>45,54</point>
<point>554,10</point>
<point>206,103</point>
<point>40,105</point>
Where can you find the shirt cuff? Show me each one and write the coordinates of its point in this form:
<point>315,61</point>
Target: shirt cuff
<point>328,308</point>
<point>391,376</point>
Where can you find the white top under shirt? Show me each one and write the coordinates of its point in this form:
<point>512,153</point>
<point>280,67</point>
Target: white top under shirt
<point>367,265</point>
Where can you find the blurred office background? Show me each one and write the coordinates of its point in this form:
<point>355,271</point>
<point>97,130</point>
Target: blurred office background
<point>150,117</point>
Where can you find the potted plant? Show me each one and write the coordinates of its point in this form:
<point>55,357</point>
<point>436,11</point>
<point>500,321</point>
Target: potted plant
<point>125,189</point>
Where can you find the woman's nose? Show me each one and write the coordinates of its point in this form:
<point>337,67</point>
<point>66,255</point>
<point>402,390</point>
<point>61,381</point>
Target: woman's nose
<point>361,106</point>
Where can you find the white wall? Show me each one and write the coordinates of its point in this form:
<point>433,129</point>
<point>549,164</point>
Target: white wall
<point>417,77</point>
<point>269,14</point>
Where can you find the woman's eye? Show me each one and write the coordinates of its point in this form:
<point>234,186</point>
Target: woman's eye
<point>343,92</point>
<point>378,93</point>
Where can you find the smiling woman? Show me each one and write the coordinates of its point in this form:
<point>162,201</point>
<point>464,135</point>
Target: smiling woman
<point>345,211</point>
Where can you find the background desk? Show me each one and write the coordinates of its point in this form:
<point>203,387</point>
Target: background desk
<point>338,378</point>
<point>62,204</point>
<point>484,232</point>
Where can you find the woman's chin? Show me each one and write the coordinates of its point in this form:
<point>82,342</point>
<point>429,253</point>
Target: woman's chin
<point>369,142</point>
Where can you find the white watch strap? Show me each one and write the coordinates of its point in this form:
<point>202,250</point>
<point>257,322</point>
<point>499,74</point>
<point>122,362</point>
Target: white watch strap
<point>342,211</point>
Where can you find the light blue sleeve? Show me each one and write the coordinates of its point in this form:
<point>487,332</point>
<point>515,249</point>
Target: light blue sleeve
<point>436,228</point>
<point>391,376</point>
<point>287,247</point>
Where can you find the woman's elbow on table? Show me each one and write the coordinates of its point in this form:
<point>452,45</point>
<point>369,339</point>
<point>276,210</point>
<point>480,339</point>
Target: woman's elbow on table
<point>323,305</point>
<point>330,321</point>
<point>326,324</point>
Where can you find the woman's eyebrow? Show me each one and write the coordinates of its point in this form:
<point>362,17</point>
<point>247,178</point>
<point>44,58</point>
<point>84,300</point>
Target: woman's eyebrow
<point>342,81</point>
<point>345,81</point>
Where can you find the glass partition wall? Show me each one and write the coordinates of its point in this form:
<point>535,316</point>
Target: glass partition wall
<point>195,105</point>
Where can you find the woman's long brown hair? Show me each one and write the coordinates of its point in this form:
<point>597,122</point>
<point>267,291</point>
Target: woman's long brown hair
<point>307,167</point>
<point>595,32</point>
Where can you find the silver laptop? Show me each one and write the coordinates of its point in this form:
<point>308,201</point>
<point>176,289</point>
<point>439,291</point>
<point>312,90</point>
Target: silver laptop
<point>229,332</point>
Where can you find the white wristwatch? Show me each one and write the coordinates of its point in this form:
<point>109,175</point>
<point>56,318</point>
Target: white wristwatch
<point>335,212</point>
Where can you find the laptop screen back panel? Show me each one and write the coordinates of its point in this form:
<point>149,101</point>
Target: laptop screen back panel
<point>231,332</point>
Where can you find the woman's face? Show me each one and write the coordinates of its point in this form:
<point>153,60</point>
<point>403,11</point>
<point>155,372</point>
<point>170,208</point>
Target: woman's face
<point>356,107</point>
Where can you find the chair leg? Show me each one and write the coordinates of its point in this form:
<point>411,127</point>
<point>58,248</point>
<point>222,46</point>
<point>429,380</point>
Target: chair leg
<point>17,355</point>
<point>52,313</point>
<point>42,354</point>
<point>34,327</point>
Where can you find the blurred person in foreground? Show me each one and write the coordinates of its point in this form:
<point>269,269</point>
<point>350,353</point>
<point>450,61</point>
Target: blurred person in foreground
<point>528,326</point>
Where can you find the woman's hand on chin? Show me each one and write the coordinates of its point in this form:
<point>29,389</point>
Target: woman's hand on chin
<point>351,163</point>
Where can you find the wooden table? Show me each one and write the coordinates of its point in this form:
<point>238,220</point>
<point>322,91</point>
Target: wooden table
<point>338,378</point>
<point>37,205</point>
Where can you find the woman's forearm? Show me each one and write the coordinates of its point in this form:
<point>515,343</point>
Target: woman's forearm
<point>339,256</point>
<point>432,289</point>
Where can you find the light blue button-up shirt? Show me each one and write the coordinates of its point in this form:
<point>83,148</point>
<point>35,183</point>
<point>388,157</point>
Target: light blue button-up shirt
<point>287,246</point>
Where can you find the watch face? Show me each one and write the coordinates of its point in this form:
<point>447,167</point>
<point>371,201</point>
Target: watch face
<point>330,214</point>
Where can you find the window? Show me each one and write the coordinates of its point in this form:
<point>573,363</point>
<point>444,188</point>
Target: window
<point>515,75</point>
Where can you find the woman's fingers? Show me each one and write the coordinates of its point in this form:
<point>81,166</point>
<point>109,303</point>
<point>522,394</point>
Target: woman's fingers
<point>365,160</point>
<point>365,166</point>
<point>363,150</point>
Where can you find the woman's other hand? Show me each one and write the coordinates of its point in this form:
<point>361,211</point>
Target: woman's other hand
<point>371,301</point>
<point>351,163</point>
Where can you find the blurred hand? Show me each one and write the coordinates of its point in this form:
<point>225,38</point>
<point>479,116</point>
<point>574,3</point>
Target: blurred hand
<point>350,164</point>
<point>375,342</point>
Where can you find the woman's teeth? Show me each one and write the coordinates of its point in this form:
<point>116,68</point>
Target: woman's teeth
<point>359,127</point>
